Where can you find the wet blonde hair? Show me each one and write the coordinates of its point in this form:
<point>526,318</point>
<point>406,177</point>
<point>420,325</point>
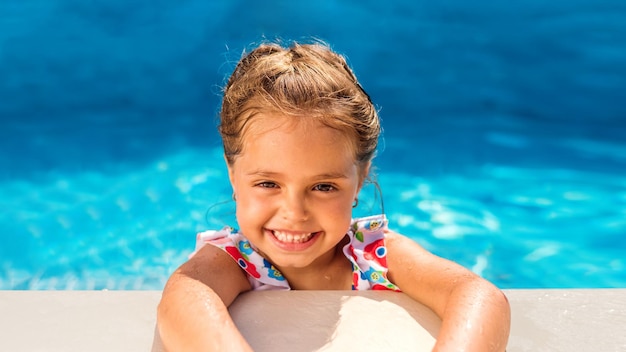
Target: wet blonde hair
<point>306,81</point>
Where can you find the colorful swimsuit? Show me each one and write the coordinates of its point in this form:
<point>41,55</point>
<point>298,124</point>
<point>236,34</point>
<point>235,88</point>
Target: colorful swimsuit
<point>366,251</point>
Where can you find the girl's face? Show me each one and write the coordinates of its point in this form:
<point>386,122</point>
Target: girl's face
<point>295,183</point>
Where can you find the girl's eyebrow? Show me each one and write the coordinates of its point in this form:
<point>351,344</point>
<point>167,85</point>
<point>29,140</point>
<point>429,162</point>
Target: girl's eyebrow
<point>325,176</point>
<point>262,173</point>
<point>333,175</point>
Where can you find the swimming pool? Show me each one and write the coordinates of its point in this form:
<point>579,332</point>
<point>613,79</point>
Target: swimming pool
<point>504,146</point>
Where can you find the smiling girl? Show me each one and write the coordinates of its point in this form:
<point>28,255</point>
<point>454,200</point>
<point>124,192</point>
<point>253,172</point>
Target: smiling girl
<point>299,135</point>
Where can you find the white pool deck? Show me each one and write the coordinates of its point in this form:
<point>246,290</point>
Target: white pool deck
<point>542,320</point>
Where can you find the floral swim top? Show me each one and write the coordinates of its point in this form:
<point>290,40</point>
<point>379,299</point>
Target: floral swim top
<point>366,251</point>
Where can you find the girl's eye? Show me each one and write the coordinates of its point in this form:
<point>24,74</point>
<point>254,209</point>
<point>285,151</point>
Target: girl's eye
<point>324,187</point>
<point>267,184</point>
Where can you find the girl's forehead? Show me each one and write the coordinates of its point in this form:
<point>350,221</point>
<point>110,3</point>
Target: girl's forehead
<point>293,154</point>
<point>276,124</point>
<point>295,134</point>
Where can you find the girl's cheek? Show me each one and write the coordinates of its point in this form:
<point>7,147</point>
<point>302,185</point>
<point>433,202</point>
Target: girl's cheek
<point>338,207</point>
<point>257,204</point>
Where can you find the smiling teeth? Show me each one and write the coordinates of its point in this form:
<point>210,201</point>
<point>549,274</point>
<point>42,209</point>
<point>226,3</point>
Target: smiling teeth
<point>291,238</point>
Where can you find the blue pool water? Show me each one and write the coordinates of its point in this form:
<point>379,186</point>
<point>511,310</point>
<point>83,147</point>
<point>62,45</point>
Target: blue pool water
<point>504,142</point>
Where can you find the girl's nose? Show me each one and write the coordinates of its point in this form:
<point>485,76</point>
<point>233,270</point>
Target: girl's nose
<point>294,208</point>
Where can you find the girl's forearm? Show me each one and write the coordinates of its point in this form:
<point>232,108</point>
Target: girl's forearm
<point>192,317</point>
<point>477,318</point>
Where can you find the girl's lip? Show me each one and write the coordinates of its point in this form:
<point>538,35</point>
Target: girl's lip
<point>293,246</point>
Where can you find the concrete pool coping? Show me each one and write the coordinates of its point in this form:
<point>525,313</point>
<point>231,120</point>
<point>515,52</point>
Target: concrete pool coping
<point>542,320</point>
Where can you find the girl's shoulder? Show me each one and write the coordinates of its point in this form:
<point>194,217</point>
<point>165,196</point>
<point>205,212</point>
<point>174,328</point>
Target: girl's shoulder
<point>369,227</point>
<point>367,251</point>
<point>262,275</point>
<point>226,234</point>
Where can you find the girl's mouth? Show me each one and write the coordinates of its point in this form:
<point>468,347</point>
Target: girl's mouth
<point>290,237</point>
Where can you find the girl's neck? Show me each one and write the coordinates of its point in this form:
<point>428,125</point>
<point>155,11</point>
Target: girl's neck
<point>332,271</point>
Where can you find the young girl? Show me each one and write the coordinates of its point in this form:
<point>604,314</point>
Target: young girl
<point>299,134</point>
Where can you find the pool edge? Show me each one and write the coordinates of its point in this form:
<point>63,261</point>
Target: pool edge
<point>542,319</point>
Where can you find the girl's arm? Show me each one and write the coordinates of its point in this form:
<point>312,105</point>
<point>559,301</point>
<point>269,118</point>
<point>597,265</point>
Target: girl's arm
<point>475,314</point>
<point>193,313</point>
